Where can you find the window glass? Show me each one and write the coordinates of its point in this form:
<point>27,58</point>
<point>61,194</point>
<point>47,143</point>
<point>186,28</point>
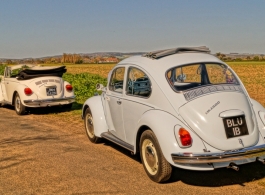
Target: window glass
<point>219,74</point>
<point>186,77</point>
<point>116,81</point>
<point>138,83</point>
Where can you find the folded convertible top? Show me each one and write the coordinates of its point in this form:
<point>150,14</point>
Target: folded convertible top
<point>35,72</point>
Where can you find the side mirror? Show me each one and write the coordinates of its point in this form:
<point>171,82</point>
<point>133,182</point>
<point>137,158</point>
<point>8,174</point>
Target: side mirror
<point>100,87</point>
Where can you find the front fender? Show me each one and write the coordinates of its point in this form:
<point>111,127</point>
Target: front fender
<point>20,90</point>
<point>163,124</point>
<point>96,106</point>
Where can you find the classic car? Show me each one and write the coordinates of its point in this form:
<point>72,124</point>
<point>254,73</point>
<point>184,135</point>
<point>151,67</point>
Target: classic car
<point>180,107</point>
<point>28,85</point>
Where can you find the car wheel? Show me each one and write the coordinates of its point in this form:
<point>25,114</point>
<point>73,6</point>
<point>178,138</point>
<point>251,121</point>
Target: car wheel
<point>154,162</point>
<point>19,107</point>
<point>89,125</point>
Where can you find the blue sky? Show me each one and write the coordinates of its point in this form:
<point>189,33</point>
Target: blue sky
<point>38,28</point>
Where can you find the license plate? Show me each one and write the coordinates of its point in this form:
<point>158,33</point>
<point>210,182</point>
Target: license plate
<point>51,91</point>
<point>235,126</point>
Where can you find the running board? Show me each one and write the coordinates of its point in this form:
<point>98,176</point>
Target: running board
<point>112,138</point>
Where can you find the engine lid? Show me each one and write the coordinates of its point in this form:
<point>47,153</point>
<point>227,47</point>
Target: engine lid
<point>224,120</point>
<point>47,87</point>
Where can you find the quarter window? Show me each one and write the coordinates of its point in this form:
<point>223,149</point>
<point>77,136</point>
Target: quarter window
<point>116,81</point>
<point>138,83</point>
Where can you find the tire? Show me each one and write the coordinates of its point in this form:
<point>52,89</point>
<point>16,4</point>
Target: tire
<point>154,162</point>
<point>19,107</point>
<point>88,119</point>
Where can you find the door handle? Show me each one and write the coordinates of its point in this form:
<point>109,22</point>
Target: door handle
<point>119,102</point>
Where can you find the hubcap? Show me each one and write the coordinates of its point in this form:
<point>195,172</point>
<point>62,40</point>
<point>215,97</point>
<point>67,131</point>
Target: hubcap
<point>89,125</point>
<point>17,103</point>
<point>150,156</point>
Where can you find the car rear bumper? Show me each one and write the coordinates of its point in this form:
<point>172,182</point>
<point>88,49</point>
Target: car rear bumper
<point>229,156</point>
<point>49,102</point>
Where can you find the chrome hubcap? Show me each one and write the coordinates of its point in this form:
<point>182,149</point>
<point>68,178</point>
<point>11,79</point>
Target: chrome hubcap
<point>150,156</point>
<point>89,125</point>
<point>17,103</point>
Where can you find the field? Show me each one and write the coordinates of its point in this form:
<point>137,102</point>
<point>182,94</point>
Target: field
<point>252,75</point>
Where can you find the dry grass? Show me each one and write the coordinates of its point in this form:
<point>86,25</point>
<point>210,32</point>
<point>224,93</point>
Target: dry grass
<point>252,75</point>
<point>100,69</point>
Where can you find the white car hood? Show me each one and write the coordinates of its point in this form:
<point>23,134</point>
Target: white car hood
<point>205,116</point>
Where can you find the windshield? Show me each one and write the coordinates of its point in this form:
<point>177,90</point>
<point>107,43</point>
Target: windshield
<point>195,75</point>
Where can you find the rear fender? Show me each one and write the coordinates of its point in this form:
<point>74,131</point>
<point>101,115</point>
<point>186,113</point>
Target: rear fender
<point>67,93</point>
<point>20,90</point>
<point>163,124</point>
<point>99,120</point>
<point>259,112</point>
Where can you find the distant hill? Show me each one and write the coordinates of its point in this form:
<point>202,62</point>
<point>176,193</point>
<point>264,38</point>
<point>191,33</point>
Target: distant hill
<point>102,54</point>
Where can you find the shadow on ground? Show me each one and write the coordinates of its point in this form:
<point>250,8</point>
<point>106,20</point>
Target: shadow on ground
<point>48,110</point>
<point>216,178</point>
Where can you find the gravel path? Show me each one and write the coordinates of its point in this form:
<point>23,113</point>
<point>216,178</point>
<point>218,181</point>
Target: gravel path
<point>44,155</point>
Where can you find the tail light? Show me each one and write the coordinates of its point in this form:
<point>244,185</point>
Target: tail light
<point>183,137</point>
<point>69,88</point>
<point>28,91</point>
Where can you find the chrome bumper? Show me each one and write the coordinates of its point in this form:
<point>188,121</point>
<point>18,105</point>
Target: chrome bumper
<point>50,102</point>
<point>229,156</point>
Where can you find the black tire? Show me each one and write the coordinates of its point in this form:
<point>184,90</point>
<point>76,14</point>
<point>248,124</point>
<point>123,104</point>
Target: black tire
<point>154,162</point>
<point>19,107</point>
<point>89,127</point>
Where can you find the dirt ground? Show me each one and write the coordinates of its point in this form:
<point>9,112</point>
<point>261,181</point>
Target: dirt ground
<point>42,154</point>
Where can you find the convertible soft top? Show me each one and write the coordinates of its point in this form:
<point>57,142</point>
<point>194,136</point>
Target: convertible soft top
<point>36,71</point>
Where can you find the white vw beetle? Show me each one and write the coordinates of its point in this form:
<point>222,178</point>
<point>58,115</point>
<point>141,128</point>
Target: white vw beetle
<point>35,86</point>
<point>180,107</point>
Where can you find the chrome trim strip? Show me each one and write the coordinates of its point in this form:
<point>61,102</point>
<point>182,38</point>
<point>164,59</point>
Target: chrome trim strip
<point>50,100</point>
<point>198,158</point>
<point>112,138</point>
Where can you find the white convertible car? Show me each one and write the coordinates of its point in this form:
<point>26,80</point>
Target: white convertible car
<point>180,107</point>
<point>35,86</point>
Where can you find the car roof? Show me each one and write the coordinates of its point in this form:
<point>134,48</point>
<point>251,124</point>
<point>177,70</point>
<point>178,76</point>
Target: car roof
<point>166,62</point>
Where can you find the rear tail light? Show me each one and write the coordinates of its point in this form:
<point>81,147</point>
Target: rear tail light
<point>183,137</point>
<point>28,91</point>
<point>69,88</point>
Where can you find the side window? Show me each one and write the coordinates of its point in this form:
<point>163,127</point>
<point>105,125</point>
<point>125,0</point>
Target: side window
<point>116,80</point>
<point>138,83</point>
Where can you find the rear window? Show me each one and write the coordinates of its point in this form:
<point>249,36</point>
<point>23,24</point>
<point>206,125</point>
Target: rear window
<point>186,77</point>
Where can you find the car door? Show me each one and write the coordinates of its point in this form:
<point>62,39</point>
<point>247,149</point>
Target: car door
<point>5,83</point>
<point>10,83</point>
<point>113,103</point>
<point>136,100</point>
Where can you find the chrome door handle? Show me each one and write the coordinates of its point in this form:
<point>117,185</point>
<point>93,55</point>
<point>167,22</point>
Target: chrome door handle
<point>119,102</point>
